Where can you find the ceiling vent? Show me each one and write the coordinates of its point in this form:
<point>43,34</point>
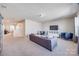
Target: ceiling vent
<point>3,6</point>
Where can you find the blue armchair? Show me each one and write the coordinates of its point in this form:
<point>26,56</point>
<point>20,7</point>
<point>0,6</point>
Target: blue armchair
<point>62,35</point>
<point>66,35</point>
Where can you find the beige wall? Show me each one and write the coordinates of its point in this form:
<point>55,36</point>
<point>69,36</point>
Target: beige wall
<point>19,29</point>
<point>32,27</point>
<point>65,25</point>
<point>28,26</point>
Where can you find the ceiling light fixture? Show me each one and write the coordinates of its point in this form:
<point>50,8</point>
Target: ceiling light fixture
<point>41,15</point>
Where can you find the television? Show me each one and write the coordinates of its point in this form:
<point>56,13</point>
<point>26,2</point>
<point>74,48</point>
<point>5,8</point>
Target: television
<point>42,32</point>
<point>54,27</point>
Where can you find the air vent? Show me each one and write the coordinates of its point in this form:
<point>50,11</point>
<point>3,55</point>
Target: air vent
<point>3,6</point>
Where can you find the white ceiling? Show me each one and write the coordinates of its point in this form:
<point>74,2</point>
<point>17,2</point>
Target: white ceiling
<point>38,12</point>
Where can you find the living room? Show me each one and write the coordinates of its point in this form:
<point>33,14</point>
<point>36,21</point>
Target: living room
<point>66,24</point>
<point>51,26</point>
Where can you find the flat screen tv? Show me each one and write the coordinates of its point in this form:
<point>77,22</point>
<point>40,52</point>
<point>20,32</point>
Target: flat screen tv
<point>54,27</point>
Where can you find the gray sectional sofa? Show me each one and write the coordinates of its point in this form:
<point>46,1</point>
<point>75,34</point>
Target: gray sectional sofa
<point>42,41</point>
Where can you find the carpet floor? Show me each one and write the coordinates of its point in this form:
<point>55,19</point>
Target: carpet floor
<point>21,46</point>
